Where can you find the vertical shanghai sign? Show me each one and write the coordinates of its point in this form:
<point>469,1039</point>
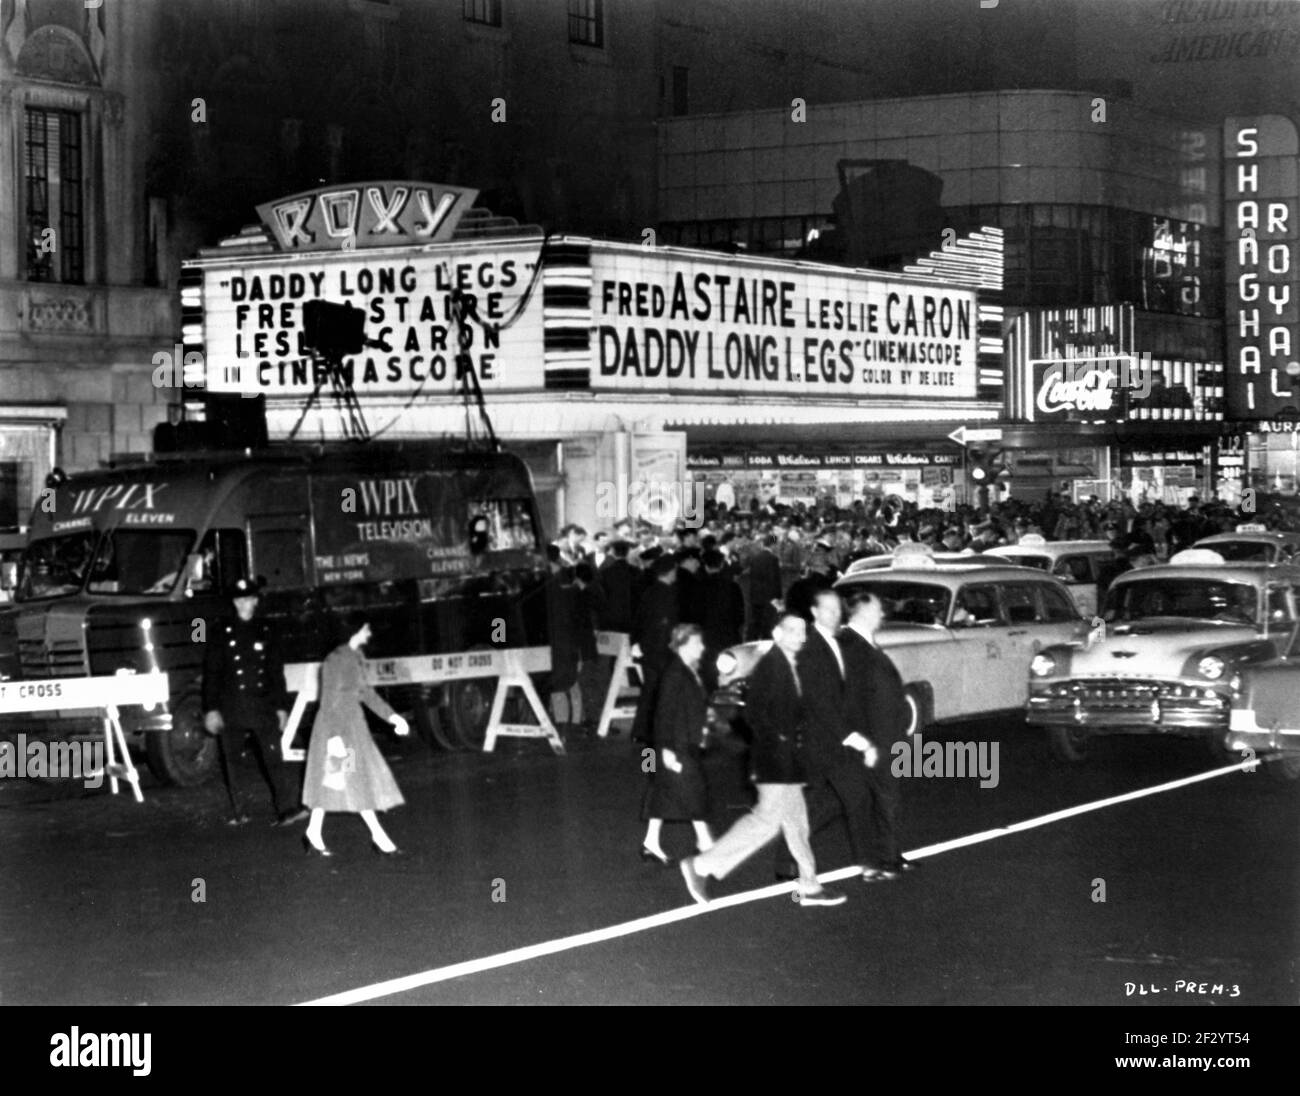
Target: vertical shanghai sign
<point>1261,190</point>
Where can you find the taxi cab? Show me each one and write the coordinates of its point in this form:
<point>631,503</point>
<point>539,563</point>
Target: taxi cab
<point>1265,716</point>
<point>1253,543</point>
<point>961,636</point>
<point>1168,655</point>
<point>1077,563</point>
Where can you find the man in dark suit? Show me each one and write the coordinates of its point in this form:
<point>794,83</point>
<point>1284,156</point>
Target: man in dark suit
<point>616,578</point>
<point>656,616</point>
<point>775,711</point>
<point>837,782</point>
<point>689,581</point>
<point>764,587</point>
<point>876,705</point>
<point>722,609</point>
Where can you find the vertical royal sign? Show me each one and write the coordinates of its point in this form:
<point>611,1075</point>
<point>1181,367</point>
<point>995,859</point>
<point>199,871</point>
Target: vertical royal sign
<point>1261,160</point>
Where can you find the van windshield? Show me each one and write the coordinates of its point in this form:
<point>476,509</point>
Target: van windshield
<point>55,567</point>
<point>122,561</point>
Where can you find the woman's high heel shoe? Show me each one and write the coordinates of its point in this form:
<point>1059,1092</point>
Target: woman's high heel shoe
<point>657,857</point>
<point>386,852</point>
<point>312,850</point>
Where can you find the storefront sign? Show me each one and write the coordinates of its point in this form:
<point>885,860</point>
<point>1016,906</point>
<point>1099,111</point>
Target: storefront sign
<point>796,461</point>
<point>1164,457</point>
<point>689,326</point>
<point>253,325</point>
<point>1262,263</point>
<point>381,214</point>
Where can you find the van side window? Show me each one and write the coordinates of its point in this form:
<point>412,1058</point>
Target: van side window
<point>279,556</point>
<point>223,561</point>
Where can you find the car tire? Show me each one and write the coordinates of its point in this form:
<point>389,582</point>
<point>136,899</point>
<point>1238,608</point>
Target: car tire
<point>918,706</point>
<point>1069,744</point>
<point>187,755</point>
<point>430,723</point>
<point>469,704</point>
<point>1219,753</point>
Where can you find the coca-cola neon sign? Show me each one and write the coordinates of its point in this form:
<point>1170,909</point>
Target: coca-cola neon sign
<point>1070,388</point>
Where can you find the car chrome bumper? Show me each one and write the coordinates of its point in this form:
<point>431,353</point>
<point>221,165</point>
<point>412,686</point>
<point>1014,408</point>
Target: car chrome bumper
<point>1245,732</point>
<point>1130,707</point>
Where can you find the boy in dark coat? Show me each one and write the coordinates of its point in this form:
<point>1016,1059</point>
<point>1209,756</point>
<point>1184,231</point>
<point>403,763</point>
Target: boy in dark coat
<point>677,791</point>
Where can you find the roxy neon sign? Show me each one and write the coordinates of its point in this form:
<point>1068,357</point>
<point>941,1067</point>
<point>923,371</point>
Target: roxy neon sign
<point>382,214</point>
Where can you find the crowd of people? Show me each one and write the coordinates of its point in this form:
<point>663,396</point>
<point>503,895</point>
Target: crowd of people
<point>728,572</point>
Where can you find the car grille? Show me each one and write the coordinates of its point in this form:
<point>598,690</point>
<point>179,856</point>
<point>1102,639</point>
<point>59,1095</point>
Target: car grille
<point>1130,702</point>
<point>63,658</point>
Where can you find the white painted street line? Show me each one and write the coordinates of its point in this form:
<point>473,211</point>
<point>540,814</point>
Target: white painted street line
<point>1069,812</point>
<point>667,917</point>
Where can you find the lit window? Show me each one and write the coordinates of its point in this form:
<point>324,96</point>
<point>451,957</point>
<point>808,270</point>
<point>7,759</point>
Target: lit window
<point>55,226</point>
<point>587,22</point>
<point>487,12</point>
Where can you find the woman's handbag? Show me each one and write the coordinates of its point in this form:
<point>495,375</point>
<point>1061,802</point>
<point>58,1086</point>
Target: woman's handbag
<point>338,763</point>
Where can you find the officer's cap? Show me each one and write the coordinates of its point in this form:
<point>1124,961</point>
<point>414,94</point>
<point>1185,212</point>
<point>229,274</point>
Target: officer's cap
<point>246,587</point>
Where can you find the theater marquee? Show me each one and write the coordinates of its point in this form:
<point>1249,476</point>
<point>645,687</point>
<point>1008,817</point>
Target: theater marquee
<point>253,329</point>
<point>680,324</point>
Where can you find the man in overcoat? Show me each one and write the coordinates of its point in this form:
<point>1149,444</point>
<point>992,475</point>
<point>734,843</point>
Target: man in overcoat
<point>837,782</point>
<point>656,617</point>
<point>876,705</point>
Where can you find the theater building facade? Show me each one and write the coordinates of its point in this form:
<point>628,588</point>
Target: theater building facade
<point>607,365</point>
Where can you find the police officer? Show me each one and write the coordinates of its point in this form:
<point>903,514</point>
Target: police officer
<point>243,691</point>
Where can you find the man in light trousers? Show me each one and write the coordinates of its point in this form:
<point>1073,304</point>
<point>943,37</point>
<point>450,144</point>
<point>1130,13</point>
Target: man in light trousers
<point>775,711</point>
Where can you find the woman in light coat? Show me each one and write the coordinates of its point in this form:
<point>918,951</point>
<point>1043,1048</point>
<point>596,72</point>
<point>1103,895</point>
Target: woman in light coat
<point>345,770</point>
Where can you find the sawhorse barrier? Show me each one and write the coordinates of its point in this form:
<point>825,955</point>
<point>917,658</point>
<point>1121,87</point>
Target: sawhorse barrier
<point>618,644</point>
<point>105,694</point>
<point>510,666</point>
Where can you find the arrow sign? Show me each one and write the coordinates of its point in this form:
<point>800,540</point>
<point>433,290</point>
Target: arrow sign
<point>964,435</point>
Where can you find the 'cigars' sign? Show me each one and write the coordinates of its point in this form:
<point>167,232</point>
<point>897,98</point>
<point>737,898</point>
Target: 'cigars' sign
<point>382,214</point>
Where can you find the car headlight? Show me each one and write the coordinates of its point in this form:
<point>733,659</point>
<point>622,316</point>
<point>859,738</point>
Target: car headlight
<point>726,663</point>
<point>1042,665</point>
<point>1211,666</point>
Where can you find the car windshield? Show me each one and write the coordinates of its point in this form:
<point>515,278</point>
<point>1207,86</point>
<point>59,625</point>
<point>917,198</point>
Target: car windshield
<point>122,561</point>
<point>1200,598</point>
<point>1243,551</point>
<point>908,602</point>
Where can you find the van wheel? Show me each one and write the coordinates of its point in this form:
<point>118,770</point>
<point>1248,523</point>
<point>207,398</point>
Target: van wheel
<point>430,724</point>
<point>186,755</point>
<point>469,703</point>
<point>1069,744</point>
<point>918,710</point>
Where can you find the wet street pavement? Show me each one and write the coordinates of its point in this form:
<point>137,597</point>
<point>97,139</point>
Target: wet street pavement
<point>106,901</point>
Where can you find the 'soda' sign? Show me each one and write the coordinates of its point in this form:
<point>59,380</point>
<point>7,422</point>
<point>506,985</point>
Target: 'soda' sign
<point>383,214</point>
